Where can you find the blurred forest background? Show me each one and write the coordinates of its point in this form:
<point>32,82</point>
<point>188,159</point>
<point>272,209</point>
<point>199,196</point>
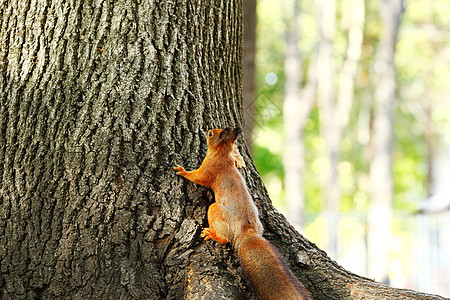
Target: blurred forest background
<point>348,116</point>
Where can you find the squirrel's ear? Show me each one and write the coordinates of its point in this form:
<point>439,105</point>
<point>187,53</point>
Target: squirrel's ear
<point>224,133</point>
<point>234,134</point>
<point>237,131</point>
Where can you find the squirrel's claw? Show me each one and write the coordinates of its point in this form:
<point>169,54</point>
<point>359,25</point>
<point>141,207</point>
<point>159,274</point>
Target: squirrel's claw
<point>180,170</point>
<point>206,233</point>
<point>210,234</point>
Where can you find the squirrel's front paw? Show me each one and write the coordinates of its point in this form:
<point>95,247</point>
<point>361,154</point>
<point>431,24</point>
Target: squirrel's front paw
<point>180,169</point>
<point>210,234</point>
<point>207,233</point>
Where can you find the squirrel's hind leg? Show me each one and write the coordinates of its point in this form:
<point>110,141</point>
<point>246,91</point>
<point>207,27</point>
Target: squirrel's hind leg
<point>218,228</point>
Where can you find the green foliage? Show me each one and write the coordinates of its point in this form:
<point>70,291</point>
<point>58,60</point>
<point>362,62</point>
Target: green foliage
<point>422,60</point>
<point>268,162</point>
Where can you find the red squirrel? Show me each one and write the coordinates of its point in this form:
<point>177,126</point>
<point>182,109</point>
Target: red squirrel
<point>233,218</point>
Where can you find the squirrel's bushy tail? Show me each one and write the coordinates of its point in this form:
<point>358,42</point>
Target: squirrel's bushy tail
<point>267,270</point>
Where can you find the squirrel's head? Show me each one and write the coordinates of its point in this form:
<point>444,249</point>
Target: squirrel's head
<point>222,138</point>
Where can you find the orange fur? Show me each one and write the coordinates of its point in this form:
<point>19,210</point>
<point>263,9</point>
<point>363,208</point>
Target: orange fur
<point>233,218</point>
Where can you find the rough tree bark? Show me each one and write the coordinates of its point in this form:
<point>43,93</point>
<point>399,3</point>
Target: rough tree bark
<point>98,101</point>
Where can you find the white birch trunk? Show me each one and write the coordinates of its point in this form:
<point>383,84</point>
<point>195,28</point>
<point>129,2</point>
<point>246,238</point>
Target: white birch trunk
<point>326,86</point>
<point>297,106</point>
<point>380,210</point>
<point>335,113</point>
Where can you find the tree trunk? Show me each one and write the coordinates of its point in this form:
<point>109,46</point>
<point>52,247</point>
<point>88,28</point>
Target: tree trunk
<point>380,209</point>
<point>326,88</point>
<point>248,72</point>
<point>430,141</point>
<point>353,21</point>
<point>98,102</point>
<point>297,106</point>
<point>336,113</point>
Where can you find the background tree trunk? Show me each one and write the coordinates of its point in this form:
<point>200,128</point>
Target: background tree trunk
<point>430,141</point>
<point>297,106</point>
<point>380,209</point>
<point>353,22</point>
<point>326,88</point>
<point>98,102</point>
<point>337,107</point>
